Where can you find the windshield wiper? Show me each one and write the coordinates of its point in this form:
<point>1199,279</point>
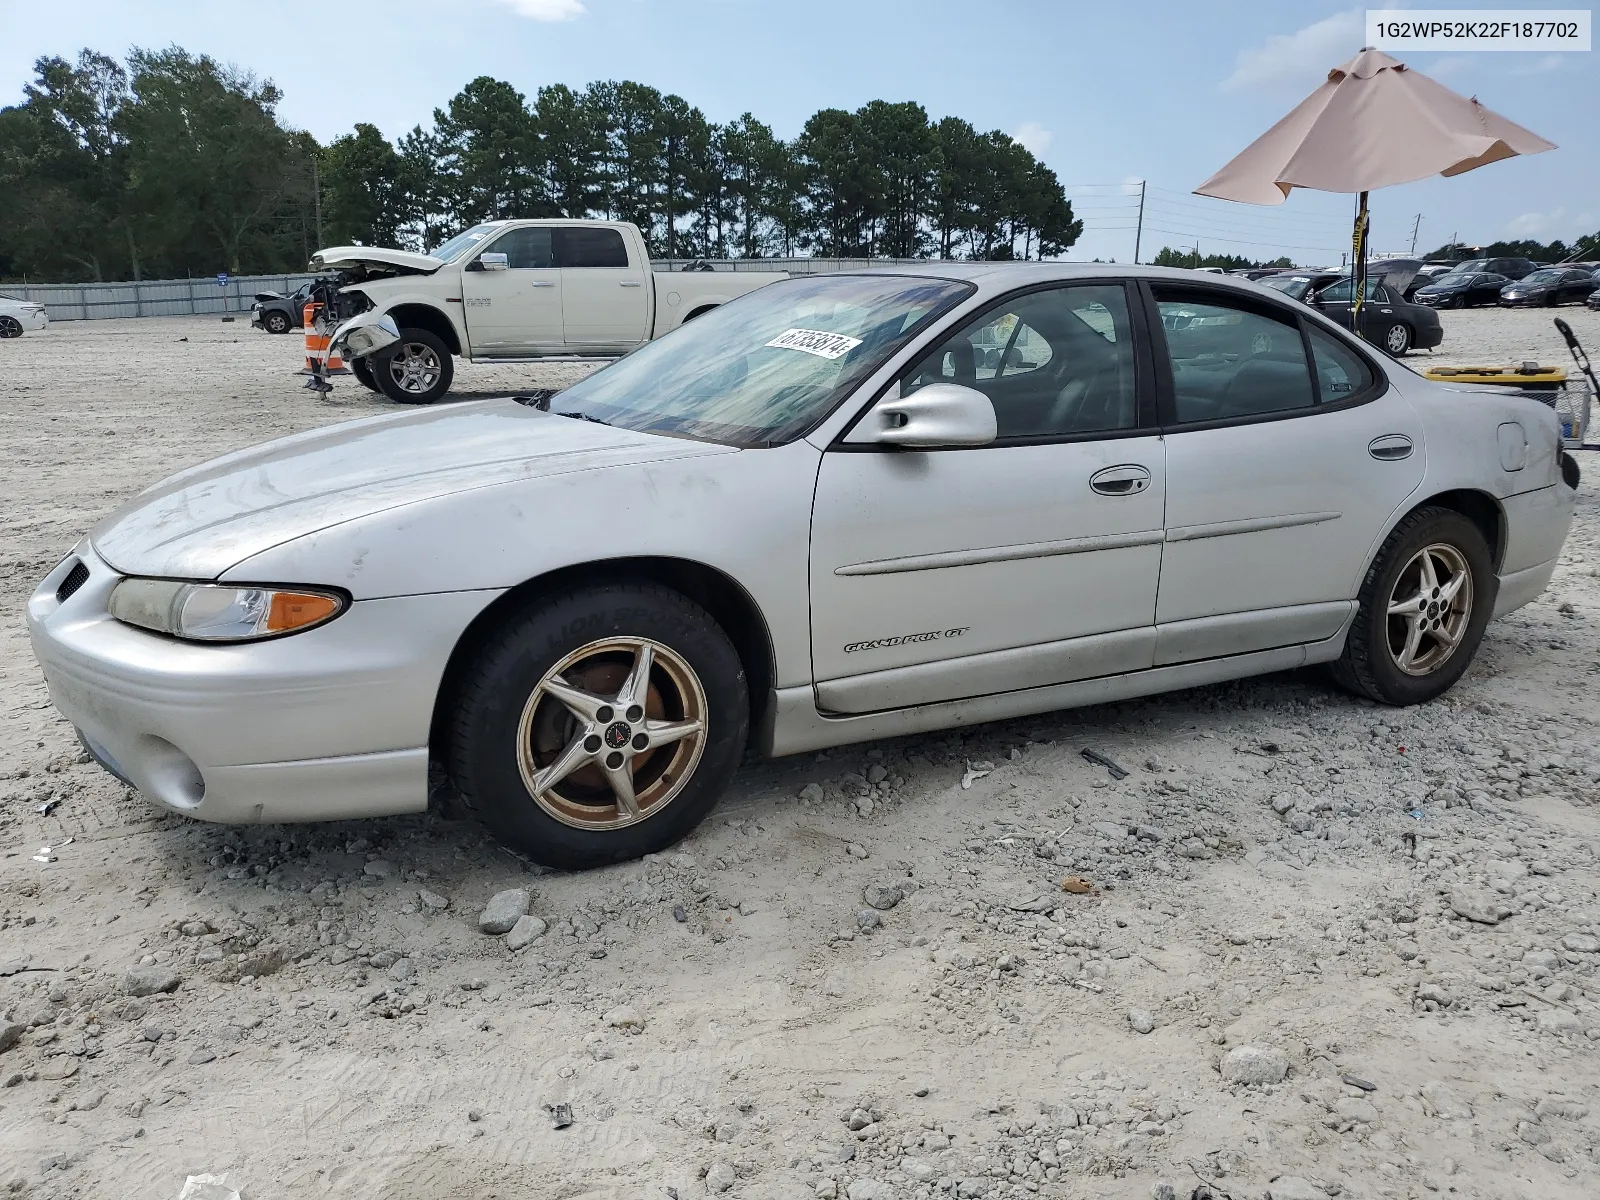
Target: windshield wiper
<point>583,417</point>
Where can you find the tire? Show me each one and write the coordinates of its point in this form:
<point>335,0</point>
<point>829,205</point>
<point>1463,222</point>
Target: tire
<point>274,321</point>
<point>361,368</point>
<point>417,371</point>
<point>1379,643</point>
<point>10,327</point>
<point>543,778</point>
<point>1397,340</point>
<point>1459,302</point>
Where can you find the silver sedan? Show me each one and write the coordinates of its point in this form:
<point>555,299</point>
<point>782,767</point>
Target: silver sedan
<point>840,508</point>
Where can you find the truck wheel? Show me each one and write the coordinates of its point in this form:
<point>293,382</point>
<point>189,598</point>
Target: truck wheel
<point>275,322</point>
<point>1421,612</point>
<point>417,371</point>
<point>599,724</point>
<point>361,368</point>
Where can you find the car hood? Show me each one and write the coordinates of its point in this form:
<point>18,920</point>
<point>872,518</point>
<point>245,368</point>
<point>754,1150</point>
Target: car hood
<point>202,521</point>
<point>336,257</point>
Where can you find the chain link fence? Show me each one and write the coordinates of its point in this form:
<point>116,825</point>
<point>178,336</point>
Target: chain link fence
<point>206,297</point>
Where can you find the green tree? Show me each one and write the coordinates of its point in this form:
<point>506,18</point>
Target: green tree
<point>207,159</point>
<point>488,154</point>
<point>365,198</point>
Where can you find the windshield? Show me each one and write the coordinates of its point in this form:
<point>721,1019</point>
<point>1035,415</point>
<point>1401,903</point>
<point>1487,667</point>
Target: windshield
<point>765,368</point>
<point>1292,285</point>
<point>1542,277</point>
<point>1472,267</point>
<point>463,243</point>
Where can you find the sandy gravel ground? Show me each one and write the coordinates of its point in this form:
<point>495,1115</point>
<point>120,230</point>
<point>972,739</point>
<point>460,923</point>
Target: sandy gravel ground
<point>1330,949</point>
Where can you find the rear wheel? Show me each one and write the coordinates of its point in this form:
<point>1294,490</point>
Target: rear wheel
<point>417,371</point>
<point>599,725</point>
<point>276,322</point>
<point>1422,610</point>
<point>10,327</point>
<point>1398,339</point>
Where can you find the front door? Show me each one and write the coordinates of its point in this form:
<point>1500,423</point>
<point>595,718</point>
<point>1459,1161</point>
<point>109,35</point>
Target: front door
<point>516,312</point>
<point>1034,560</point>
<point>607,298</point>
<point>1281,474</point>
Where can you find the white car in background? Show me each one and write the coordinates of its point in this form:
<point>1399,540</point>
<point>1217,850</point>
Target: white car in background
<point>21,316</point>
<point>840,508</point>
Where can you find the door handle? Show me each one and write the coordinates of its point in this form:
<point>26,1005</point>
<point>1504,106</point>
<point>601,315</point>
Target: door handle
<point>541,283</point>
<point>1127,479</point>
<point>1391,447</point>
<point>631,283</point>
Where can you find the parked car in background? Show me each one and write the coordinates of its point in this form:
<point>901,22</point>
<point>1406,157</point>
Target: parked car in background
<point>1511,268</point>
<point>1386,320</point>
<point>277,313</point>
<point>21,316</point>
<point>808,519</point>
<point>1593,300</point>
<point>1430,271</point>
<point>1461,291</point>
<point>516,291</point>
<point>1549,286</point>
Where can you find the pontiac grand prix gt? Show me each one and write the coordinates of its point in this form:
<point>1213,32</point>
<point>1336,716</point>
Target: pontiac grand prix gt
<point>838,508</point>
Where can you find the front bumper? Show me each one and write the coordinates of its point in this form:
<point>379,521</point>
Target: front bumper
<point>330,723</point>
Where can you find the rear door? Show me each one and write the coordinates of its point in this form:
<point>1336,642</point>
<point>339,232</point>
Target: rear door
<point>605,297</point>
<point>516,312</point>
<point>1286,458</point>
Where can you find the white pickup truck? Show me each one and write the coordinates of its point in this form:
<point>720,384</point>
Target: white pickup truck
<point>516,290</point>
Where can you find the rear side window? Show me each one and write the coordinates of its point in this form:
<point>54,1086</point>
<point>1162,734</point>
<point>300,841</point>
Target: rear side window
<point>1340,371</point>
<point>1230,363</point>
<point>589,247</point>
<point>526,249</point>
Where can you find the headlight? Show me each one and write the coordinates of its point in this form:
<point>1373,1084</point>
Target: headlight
<point>210,612</point>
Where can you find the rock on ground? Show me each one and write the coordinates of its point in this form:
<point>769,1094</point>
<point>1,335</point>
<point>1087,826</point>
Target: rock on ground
<point>1255,1064</point>
<point>502,911</point>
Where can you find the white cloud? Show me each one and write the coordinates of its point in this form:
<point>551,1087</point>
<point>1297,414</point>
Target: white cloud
<point>1542,65</point>
<point>1299,59</point>
<point>1534,224</point>
<point>547,10</point>
<point>1033,137</point>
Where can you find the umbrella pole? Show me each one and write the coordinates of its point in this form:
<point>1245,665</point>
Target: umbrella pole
<point>1358,267</point>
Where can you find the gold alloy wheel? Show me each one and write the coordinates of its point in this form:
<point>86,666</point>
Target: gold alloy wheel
<point>1429,609</point>
<point>612,733</point>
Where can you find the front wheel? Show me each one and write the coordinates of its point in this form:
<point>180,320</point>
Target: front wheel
<point>416,371</point>
<point>1422,610</point>
<point>276,322</point>
<point>1398,340</point>
<point>599,725</point>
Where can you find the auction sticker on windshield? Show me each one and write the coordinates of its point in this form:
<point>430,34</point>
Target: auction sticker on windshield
<point>816,341</point>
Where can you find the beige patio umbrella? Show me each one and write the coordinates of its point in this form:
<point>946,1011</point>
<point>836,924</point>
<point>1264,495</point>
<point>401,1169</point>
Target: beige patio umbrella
<point>1374,123</point>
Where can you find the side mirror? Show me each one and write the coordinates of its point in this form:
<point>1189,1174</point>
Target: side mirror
<point>364,335</point>
<point>491,260</point>
<point>941,414</point>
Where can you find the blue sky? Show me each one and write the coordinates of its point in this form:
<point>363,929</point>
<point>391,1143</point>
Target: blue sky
<point>1162,90</point>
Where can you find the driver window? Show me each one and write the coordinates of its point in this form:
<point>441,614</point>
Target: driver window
<point>527,248</point>
<point>1053,363</point>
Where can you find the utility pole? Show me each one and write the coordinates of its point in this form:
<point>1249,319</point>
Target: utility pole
<point>1415,225</point>
<point>1197,252</point>
<point>316,198</point>
<point>1138,230</point>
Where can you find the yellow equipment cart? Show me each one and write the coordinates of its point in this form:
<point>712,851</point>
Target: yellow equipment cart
<point>1571,398</point>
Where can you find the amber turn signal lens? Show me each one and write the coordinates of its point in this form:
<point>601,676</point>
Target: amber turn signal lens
<point>295,610</point>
